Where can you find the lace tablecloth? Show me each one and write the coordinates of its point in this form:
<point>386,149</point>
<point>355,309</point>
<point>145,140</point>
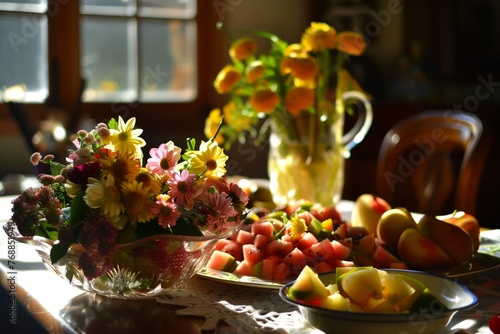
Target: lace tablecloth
<point>254,310</point>
<point>247,309</point>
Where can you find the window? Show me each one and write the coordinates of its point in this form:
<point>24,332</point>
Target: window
<point>142,51</point>
<point>23,48</point>
<point>135,50</point>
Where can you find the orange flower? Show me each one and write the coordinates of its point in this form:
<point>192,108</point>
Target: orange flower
<point>254,71</point>
<point>351,43</point>
<point>264,100</point>
<point>298,99</point>
<point>295,49</point>
<point>226,79</point>
<point>211,125</point>
<point>303,68</point>
<point>318,37</point>
<point>242,49</point>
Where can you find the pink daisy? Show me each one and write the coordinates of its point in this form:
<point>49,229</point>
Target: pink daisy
<point>164,158</point>
<point>165,210</point>
<point>222,210</point>
<point>237,194</point>
<point>182,188</point>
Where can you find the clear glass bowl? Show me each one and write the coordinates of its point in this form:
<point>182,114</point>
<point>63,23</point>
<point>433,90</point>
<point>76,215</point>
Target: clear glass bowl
<point>144,268</point>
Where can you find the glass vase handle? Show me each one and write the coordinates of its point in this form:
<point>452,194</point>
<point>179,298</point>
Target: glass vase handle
<point>362,125</point>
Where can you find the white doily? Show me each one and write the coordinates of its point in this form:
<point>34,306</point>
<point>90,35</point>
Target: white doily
<point>249,310</point>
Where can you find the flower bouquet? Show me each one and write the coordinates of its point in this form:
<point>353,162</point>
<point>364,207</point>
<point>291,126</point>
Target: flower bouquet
<point>112,226</point>
<point>298,91</point>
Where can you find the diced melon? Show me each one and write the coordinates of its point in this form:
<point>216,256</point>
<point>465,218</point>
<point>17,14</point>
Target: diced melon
<point>244,268</point>
<point>221,261</point>
<point>323,267</point>
<point>269,265</point>
<point>339,271</point>
<point>365,244</point>
<point>332,288</point>
<point>379,306</point>
<point>336,302</point>
<point>341,251</point>
<point>308,287</point>
<point>360,285</point>
<point>395,288</point>
<point>244,237</point>
<point>263,227</point>
<point>282,272</point>
<point>296,260</point>
<point>428,303</point>
<point>328,225</point>
<point>252,254</point>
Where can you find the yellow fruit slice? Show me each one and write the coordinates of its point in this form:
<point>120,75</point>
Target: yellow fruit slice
<point>308,287</point>
<point>360,285</point>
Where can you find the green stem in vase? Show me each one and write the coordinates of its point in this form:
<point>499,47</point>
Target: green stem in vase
<point>321,89</point>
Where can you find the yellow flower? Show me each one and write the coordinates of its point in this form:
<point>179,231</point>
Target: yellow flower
<point>149,180</point>
<point>72,189</point>
<point>264,100</point>
<point>105,196</point>
<point>137,202</point>
<point>242,49</point>
<point>254,71</point>
<point>227,78</point>
<point>318,37</point>
<point>212,124</point>
<point>295,50</point>
<point>351,43</point>
<point>298,226</point>
<point>303,68</point>
<point>210,159</point>
<point>126,139</point>
<point>124,167</point>
<point>298,99</point>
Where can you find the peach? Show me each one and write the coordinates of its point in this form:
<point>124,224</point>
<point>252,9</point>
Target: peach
<point>367,211</point>
<point>391,225</point>
<point>452,239</point>
<point>421,252</point>
<point>467,222</point>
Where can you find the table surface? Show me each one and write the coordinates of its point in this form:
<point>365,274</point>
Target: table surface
<point>38,301</point>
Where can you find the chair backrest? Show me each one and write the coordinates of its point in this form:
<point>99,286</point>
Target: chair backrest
<point>431,162</point>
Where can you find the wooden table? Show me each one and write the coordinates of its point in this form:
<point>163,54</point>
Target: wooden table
<point>37,301</point>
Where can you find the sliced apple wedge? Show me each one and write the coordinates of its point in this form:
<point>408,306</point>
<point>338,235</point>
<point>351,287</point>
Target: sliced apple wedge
<point>360,285</point>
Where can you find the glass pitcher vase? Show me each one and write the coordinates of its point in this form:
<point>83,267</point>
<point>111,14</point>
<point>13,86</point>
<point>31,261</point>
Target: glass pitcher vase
<point>310,165</point>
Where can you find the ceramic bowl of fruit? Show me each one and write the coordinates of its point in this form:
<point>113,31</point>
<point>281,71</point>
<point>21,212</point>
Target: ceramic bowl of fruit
<point>365,299</point>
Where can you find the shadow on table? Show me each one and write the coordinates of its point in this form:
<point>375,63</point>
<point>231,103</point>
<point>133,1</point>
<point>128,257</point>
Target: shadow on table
<point>89,313</point>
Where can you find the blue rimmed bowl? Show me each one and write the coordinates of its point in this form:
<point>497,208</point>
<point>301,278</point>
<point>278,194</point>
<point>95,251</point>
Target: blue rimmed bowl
<point>453,294</point>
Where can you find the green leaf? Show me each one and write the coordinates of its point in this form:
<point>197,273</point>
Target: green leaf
<point>56,168</point>
<point>57,252</point>
<point>78,209</point>
<point>113,124</point>
<point>191,144</point>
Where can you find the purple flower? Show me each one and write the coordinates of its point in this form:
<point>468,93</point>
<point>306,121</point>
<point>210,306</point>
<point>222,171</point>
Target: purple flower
<point>81,173</point>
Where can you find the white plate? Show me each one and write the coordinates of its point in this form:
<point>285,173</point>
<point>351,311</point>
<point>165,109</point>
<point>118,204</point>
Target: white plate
<point>480,262</point>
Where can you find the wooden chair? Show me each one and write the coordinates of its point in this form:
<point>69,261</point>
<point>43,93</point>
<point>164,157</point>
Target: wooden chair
<point>431,162</point>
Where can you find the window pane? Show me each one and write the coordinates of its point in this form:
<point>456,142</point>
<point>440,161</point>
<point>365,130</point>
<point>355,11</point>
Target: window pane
<point>23,54</point>
<point>108,7</point>
<point>168,60</point>
<point>38,6</point>
<point>168,8</point>
<point>109,59</point>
